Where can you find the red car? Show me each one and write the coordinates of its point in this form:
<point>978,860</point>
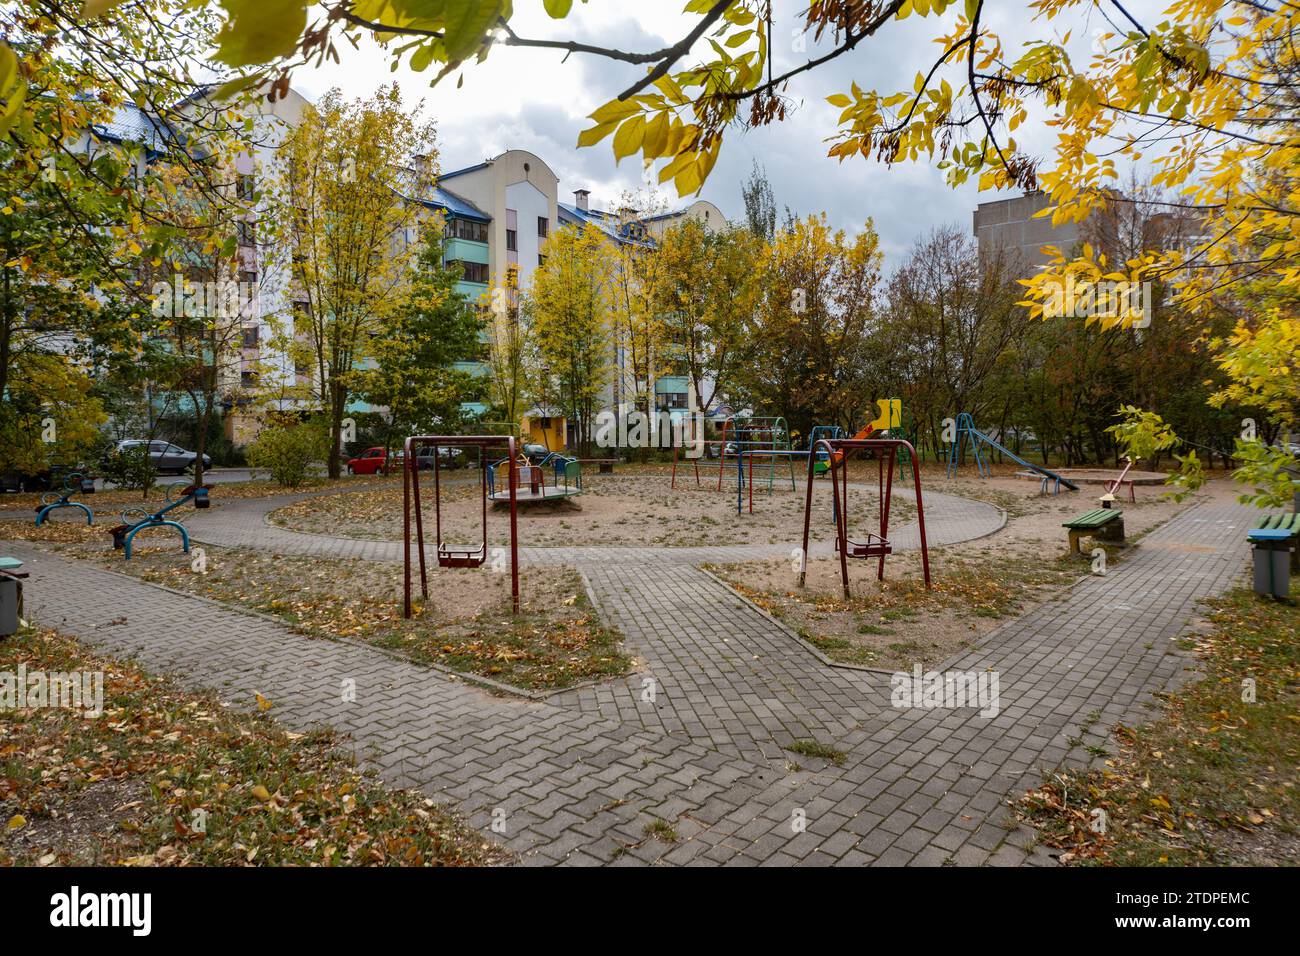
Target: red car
<point>369,462</point>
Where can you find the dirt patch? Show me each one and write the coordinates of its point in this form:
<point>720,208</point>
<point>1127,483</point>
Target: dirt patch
<point>556,640</point>
<point>895,623</point>
<point>640,509</point>
<point>75,828</point>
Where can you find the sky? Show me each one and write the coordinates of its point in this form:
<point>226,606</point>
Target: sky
<point>536,100</point>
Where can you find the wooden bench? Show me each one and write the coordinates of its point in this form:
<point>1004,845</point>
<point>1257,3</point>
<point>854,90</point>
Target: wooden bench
<point>605,465</point>
<point>1285,522</point>
<point>1104,523</point>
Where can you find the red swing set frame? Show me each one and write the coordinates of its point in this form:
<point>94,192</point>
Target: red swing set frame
<point>877,545</point>
<point>453,557</point>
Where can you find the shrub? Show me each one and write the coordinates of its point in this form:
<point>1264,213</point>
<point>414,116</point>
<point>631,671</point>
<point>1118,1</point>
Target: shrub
<point>131,468</point>
<point>287,452</point>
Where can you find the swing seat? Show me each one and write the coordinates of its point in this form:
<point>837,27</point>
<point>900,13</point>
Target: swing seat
<point>874,547</point>
<point>461,557</point>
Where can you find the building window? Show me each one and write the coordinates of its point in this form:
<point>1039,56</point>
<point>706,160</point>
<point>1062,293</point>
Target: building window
<point>246,232</point>
<point>470,271</point>
<point>251,336</point>
<point>246,186</point>
<point>512,240</point>
<point>541,259</point>
<point>543,224</point>
<point>248,379</point>
<point>469,229</point>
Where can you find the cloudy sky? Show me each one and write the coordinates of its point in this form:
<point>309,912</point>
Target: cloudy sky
<point>532,99</point>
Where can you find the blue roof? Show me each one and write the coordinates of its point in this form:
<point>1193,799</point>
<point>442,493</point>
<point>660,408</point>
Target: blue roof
<point>608,223</point>
<point>455,205</point>
<point>130,124</point>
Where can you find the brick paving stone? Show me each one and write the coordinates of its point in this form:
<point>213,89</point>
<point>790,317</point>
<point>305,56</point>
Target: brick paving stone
<point>579,774</point>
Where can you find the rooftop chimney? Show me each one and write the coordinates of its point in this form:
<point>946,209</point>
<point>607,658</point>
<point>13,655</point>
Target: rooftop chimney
<point>580,198</point>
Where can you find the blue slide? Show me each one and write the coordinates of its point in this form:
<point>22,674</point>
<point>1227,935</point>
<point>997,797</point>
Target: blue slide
<point>966,427</point>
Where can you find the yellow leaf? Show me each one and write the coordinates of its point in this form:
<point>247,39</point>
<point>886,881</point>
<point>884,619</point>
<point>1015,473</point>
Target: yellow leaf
<point>261,793</point>
<point>16,821</point>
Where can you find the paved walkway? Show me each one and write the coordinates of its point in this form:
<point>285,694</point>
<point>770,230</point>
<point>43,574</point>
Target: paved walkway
<point>696,738</point>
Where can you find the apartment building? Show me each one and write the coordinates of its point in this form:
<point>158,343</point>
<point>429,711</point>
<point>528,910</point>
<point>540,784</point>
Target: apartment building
<point>497,216</point>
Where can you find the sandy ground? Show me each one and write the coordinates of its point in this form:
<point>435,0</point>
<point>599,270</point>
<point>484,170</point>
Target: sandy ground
<point>977,584</point>
<point>637,507</point>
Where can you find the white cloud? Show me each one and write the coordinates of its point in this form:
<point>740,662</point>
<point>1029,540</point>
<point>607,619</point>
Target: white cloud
<point>535,99</point>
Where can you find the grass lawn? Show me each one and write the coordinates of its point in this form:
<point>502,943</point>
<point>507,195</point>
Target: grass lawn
<point>555,641</point>
<point>171,778</point>
<point>1213,780</point>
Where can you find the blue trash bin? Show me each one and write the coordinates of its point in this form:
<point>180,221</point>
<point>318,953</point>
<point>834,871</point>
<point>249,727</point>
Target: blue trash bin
<point>1272,556</point>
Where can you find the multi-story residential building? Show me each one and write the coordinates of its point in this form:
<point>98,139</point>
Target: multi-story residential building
<point>1009,224</point>
<point>516,192</point>
<point>628,227</point>
<point>1126,226</point>
<point>497,217</point>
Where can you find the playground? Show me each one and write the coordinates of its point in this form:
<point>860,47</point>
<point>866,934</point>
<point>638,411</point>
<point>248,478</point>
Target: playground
<point>978,585</point>
<point>768,661</point>
<point>636,507</point>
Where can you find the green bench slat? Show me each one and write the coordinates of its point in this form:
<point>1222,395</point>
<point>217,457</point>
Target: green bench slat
<point>1289,522</point>
<point>1093,519</point>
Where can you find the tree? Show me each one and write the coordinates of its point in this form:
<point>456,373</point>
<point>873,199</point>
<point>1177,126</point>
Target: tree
<point>760,203</point>
<point>413,375</point>
<point>510,349</point>
<point>74,243</point>
<point>571,302</point>
<point>205,284</point>
<point>810,328</point>
<point>341,201</point>
<point>952,320</point>
<point>637,329</point>
<point>706,289</point>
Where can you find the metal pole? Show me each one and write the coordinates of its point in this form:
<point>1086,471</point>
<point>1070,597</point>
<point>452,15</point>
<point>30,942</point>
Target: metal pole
<point>920,515</point>
<point>514,529</point>
<point>807,513</point>
<point>406,540</point>
<point>841,528</point>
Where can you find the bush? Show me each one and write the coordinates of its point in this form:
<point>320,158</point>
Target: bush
<point>287,452</point>
<point>131,468</point>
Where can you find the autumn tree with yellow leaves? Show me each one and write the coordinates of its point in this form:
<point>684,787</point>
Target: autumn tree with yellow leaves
<point>705,290</point>
<point>571,302</point>
<point>344,197</point>
<point>810,327</point>
<point>1205,94</point>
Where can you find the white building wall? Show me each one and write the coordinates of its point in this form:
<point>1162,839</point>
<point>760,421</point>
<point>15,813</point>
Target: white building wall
<point>528,204</point>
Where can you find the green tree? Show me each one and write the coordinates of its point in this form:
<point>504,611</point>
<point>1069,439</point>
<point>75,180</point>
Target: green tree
<point>572,299</point>
<point>341,205</point>
<point>706,288</point>
<point>412,376</point>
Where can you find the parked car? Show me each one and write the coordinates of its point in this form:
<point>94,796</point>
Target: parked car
<point>369,462</point>
<point>447,458</point>
<point>21,481</point>
<point>166,457</point>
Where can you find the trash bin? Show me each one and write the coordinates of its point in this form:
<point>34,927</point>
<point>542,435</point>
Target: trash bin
<point>1272,556</point>
<point>11,595</point>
